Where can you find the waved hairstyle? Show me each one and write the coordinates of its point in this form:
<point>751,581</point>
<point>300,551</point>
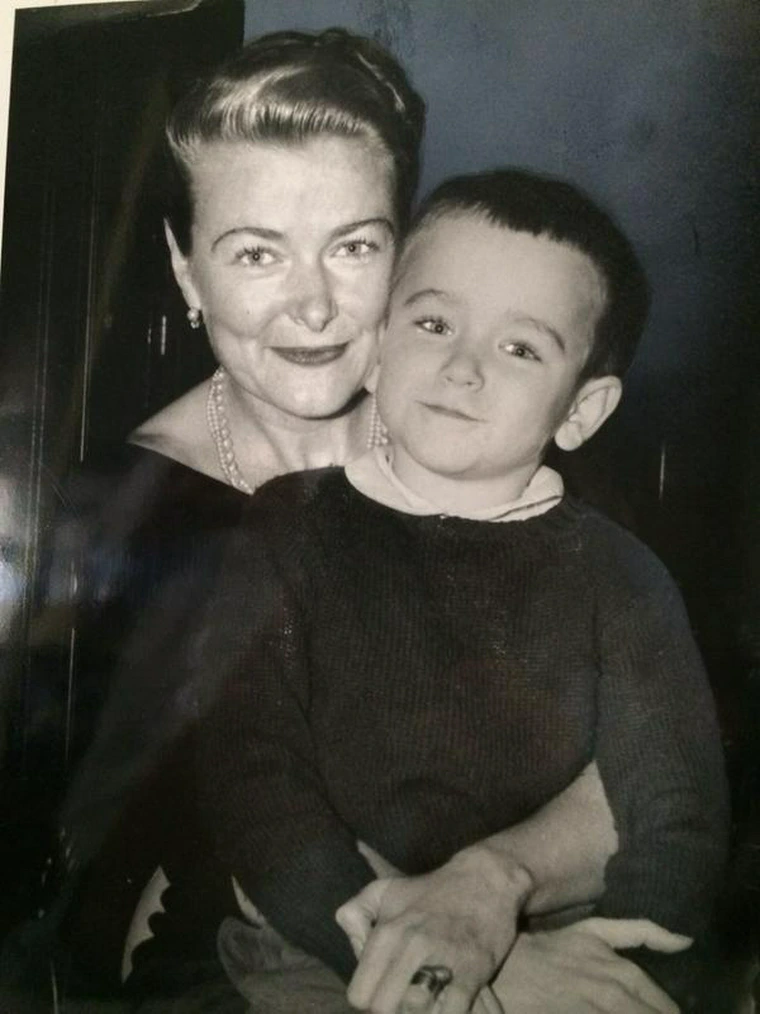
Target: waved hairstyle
<point>288,87</point>
<point>543,206</point>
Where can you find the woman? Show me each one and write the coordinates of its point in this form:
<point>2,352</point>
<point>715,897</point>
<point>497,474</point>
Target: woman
<point>286,252</point>
<point>295,166</point>
<point>282,241</point>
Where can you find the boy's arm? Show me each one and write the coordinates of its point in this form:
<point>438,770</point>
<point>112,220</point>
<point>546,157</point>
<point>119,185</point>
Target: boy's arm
<point>661,763</point>
<point>576,970</point>
<point>259,781</point>
<point>265,800</point>
<point>659,753</point>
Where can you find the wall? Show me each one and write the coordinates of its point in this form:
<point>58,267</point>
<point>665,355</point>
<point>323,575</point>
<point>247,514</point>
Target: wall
<point>653,107</point>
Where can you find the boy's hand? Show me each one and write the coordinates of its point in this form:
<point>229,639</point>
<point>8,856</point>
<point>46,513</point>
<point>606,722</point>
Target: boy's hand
<point>575,970</point>
<point>462,916</point>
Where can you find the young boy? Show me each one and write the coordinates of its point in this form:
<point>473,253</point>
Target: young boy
<point>441,639</point>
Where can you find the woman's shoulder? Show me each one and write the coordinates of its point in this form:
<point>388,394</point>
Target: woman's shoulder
<point>180,432</point>
<point>162,481</point>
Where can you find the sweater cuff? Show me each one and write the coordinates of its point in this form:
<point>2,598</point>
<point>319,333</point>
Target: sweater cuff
<point>301,896</point>
<point>650,885</point>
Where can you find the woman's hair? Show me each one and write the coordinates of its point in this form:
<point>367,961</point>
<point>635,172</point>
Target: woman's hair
<point>288,87</point>
<point>544,206</point>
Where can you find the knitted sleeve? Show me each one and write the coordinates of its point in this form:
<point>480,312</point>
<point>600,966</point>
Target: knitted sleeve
<point>660,759</point>
<point>260,783</point>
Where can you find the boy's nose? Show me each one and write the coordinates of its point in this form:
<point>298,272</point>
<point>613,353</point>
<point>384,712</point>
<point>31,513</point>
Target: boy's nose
<point>313,304</point>
<point>463,369</point>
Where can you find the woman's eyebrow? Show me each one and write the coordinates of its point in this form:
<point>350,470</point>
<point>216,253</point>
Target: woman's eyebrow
<point>344,230</point>
<point>256,230</point>
<point>276,235</point>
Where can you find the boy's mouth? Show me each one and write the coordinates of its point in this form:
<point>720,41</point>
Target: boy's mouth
<point>450,413</point>
<point>303,356</point>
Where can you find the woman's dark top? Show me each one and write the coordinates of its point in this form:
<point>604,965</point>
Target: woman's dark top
<point>424,682</point>
<point>150,559</point>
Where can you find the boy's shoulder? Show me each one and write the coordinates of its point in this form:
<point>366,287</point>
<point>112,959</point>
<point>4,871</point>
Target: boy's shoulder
<point>296,490</point>
<point>614,556</point>
<point>281,523</point>
<point>292,502</point>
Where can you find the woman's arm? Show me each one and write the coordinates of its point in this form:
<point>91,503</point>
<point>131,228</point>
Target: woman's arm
<point>564,846</point>
<point>553,860</point>
<point>574,970</point>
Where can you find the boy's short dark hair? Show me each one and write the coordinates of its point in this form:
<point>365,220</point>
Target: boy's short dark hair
<point>543,206</point>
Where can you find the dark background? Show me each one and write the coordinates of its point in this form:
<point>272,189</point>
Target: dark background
<point>652,106</point>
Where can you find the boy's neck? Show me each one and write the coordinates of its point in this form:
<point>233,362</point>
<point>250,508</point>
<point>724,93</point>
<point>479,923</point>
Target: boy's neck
<point>459,494</point>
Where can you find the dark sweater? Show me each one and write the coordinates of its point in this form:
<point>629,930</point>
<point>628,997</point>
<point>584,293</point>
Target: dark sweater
<point>151,532</point>
<point>423,682</point>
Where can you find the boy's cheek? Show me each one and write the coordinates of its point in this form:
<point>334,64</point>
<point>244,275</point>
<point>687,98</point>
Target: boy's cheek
<point>372,379</point>
<point>390,331</point>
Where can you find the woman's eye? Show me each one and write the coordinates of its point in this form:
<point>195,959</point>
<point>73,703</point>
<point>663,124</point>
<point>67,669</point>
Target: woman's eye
<point>434,325</point>
<point>256,256</point>
<point>357,248</point>
<point>520,351</point>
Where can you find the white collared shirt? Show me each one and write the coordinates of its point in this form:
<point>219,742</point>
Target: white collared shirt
<point>372,474</point>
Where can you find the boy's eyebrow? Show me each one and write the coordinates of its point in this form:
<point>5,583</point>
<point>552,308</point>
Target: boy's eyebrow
<point>342,230</point>
<point>547,329</point>
<point>423,294</point>
<point>534,322</point>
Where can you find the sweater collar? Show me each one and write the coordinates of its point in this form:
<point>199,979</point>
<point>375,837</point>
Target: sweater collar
<point>372,474</point>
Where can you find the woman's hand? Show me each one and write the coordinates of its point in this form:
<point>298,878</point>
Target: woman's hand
<point>462,916</point>
<point>575,970</point>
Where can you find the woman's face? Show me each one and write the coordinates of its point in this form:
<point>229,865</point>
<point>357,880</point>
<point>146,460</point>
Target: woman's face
<point>292,251</point>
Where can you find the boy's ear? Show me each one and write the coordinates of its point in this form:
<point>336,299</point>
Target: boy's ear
<point>181,269</point>
<point>594,403</point>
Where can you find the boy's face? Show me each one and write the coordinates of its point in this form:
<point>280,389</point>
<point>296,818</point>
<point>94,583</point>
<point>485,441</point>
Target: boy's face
<point>488,331</point>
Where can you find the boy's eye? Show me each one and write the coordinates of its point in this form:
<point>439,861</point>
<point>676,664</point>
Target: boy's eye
<point>256,257</point>
<point>520,350</point>
<point>357,248</point>
<point>434,325</point>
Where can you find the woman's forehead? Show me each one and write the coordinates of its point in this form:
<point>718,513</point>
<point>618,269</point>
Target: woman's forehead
<point>324,177</point>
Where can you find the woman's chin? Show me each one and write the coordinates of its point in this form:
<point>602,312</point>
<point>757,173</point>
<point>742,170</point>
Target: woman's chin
<point>320,397</point>
<point>315,405</point>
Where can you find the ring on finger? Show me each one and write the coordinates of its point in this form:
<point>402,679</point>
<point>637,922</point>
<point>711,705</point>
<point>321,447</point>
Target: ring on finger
<point>435,978</point>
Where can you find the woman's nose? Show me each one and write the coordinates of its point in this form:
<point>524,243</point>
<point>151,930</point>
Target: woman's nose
<point>462,368</point>
<point>313,303</point>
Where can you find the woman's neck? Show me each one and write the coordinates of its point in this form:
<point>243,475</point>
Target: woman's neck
<point>269,442</point>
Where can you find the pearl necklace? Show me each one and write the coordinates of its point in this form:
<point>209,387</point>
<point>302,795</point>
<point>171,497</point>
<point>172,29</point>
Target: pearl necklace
<point>219,428</point>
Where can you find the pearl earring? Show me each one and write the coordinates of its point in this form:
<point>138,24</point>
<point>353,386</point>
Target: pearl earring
<point>194,316</point>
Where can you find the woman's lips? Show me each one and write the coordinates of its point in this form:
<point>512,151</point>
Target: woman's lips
<point>303,356</point>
